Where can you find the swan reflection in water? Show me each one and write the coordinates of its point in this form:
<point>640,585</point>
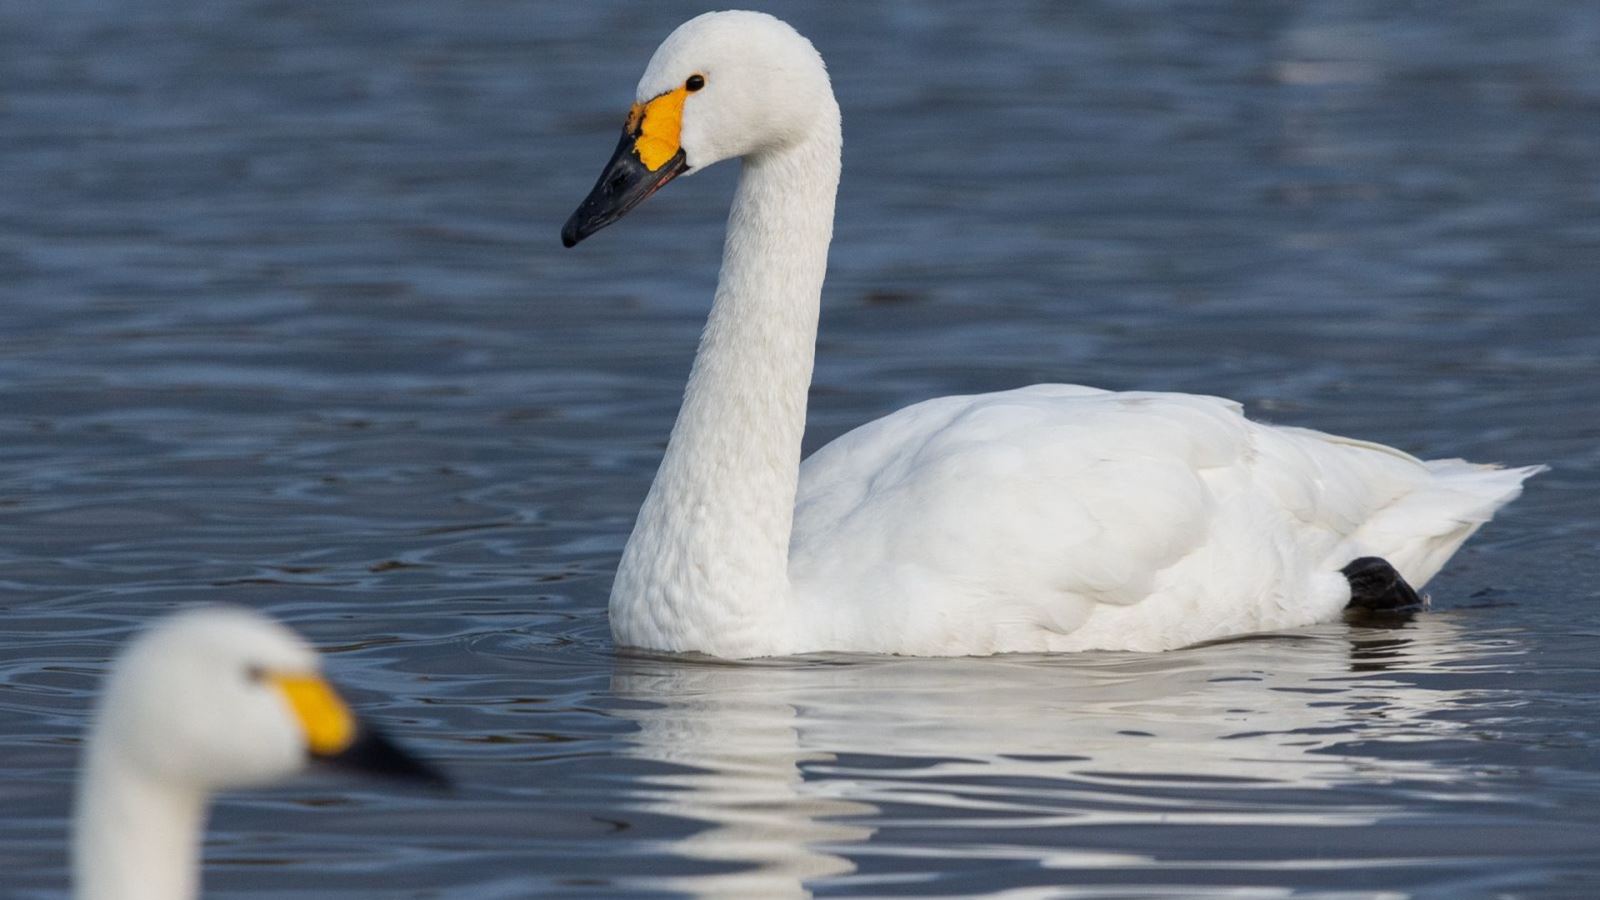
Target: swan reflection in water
<point>798,768</point>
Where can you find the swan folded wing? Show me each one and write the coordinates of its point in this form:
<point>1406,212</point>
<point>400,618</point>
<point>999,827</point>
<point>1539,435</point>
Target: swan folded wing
<point>1021,511</point>
<point>1051,515</point>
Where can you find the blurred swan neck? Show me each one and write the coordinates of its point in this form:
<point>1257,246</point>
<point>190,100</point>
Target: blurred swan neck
<point>707,565</point>
<point>133,837</point>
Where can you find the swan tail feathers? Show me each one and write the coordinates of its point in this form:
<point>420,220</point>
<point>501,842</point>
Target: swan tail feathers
<point>1422,530</point>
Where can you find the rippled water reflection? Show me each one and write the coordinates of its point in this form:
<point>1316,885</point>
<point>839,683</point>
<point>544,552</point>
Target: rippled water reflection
<point>284,322</point>
<point>1205,770</point>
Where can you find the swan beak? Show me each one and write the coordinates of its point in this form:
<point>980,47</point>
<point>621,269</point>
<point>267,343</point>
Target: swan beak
<point>373,753</point>
<point>335,736</point>
<point>627,179</point>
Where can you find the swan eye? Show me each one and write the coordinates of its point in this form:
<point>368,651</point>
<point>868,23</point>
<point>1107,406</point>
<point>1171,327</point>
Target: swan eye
<point>255,674</point>
<point>695,83</point>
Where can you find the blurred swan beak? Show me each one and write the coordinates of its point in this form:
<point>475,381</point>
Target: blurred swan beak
<point>373,753</point>
<point>335,736</point>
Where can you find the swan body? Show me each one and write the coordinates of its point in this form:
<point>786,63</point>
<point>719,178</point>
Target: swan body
<point>1048,518</point>
<point>209,699</point>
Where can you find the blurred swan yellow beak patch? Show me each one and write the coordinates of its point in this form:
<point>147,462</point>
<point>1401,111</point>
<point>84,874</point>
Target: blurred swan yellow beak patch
<point>329,725</point>
<point>656,126</point>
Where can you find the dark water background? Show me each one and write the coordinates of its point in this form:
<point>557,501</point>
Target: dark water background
<point>284,321</point>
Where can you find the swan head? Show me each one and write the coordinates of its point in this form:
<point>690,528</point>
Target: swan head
<point>723,85</point>
<point>222,697</point>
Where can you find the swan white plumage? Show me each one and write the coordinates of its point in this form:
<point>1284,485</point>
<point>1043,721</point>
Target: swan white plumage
<point>1048,518</point>
<point>209,699</point>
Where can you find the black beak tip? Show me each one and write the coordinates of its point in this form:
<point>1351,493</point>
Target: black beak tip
<point>373,753</point>
<point>624,183</point>
<point>426,774</point>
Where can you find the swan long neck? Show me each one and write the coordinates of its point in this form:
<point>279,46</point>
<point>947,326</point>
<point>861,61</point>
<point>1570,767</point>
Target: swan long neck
<point>706,568</point>
<point>134,838</point>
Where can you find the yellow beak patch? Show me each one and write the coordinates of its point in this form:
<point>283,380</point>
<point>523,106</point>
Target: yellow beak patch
<point>655,126</point>
<point>329,725</point>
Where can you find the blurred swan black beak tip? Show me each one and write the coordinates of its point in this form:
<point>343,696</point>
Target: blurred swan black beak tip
<point>373,753</point>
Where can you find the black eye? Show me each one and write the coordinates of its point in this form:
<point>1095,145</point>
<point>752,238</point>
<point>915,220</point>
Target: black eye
<point>695,82</point>
<point>255,674</point>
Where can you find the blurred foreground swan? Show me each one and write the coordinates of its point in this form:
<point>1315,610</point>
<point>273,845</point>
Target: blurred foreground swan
<point>207,700</point>
<point>1048,518</point>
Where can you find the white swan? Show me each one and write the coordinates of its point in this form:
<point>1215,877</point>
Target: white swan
<point>1048,518</point>
<point>207,700</point>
